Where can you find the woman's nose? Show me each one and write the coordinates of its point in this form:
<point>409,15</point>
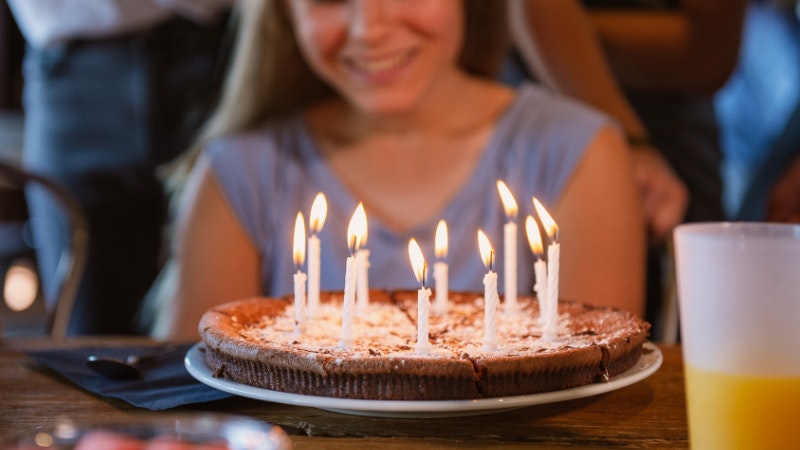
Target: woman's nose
<point>368,19</point>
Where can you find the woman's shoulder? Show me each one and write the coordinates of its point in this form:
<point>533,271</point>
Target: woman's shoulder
<point>537,105</point>
<point>259,140</point>
<point>541,118</point>
<point>263,155</point>
<point>542,139</point>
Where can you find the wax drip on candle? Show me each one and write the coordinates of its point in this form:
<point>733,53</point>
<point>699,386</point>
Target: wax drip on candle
<point>298,254</point>
<point>355,230</point>
<point>509,248</point>
<point>553,262</point>
<point>319,211</point>
<point>420,268</point>
<point>490,297</point>
<point>440,269</point>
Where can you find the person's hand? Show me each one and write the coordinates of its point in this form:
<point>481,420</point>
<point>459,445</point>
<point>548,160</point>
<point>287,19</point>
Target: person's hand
<point>784,200</point>
<point>664,195</point>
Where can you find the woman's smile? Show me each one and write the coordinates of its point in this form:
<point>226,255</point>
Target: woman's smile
<point>372,69</point>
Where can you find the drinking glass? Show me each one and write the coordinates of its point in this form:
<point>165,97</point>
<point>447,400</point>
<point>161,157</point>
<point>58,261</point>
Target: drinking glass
<point>739,301</point>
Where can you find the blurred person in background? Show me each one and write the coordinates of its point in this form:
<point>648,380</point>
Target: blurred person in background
<point>113,89</point>
<point>759,115</point>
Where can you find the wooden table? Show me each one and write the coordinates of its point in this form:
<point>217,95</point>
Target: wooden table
<point>648,414</point>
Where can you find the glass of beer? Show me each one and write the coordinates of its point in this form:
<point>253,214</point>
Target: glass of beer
<point>739,302</point>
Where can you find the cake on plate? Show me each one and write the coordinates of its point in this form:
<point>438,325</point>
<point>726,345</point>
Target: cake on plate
<point>256,342</point>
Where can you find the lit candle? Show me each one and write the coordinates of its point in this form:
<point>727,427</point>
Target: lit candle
<point>423,297</point>
<point>539,266</point>
<point>299,256</point>
<point>362,258</point>
<point>490,298</point>
<point>553,256</point>
<point>509,247</point>
<point>355,231</point>
<point>440,269</point>
<point>319,210</point>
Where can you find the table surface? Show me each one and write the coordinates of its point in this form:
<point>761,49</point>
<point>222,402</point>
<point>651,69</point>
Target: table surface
<point>647,414</point>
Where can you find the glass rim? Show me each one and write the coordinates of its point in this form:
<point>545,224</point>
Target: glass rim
<point>732,228</point>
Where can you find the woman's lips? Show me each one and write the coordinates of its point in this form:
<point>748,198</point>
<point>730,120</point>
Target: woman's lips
<point>380,68</point>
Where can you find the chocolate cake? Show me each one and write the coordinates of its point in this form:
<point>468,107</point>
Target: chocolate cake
<point>255,342</point>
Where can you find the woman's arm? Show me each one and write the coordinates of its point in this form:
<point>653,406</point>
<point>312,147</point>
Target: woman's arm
<point>216,261</point>
<point>602,230</point>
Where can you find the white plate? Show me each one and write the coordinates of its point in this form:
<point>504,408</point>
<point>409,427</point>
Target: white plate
<point>649,362</point>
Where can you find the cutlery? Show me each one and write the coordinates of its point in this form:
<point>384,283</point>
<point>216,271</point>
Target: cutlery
<point>118,369</point>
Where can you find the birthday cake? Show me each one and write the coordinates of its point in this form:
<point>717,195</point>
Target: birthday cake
<point>257,342</point>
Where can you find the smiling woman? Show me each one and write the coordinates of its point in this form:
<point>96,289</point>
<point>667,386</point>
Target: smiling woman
<point>392,104</point>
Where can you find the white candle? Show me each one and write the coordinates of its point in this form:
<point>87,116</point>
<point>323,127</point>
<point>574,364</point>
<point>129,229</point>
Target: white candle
<point>362,280</point>
<point>319,211</point>
<point>299,302</point>
<point>490,297</point>
<point>553,256</point>
<point>491,300</point>
<point>539,266</point>
<point>540,270</point>
<point>298,254</point>
<point>551,322</point>
<point>509,247</point>
<point>348,307</point>
<point>510,258</point>
<point>440,269</point>
<point>440,277</point>
<point>362,258</point>
<point>314,250</point>
<point>355,231</point>
<point>423,346</point>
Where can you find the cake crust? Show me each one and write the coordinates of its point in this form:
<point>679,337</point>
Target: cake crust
<point>254,341</point>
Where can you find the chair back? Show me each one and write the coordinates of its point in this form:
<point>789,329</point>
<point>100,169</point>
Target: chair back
<point>72,261</point>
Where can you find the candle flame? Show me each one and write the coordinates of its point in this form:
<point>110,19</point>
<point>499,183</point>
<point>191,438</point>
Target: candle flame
<point>299,248</point>
<point>417,261</point>
<point>357,229</point>
<point>319,211</point>
<point>509,202</point>
<point>487,252</point>
<point>547,220</point>
<point>534,237</point>
<point>440,241</point>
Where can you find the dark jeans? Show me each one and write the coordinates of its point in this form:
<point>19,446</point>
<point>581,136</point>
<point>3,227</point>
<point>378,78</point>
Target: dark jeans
<point>101,116</point>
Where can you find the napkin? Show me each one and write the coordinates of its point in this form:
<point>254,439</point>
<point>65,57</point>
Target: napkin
<point>164,383</point>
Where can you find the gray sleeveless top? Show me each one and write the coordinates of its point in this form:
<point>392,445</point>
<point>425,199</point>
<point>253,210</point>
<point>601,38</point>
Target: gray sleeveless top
<point>270,174</point>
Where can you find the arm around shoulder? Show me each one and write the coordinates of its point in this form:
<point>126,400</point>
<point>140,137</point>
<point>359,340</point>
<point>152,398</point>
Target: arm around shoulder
<point>602,229</point>
<point>215,259</point>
